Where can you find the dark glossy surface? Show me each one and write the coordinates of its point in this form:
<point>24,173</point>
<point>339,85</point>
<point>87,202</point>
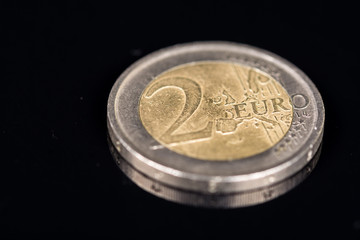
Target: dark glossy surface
<point>60,61</point>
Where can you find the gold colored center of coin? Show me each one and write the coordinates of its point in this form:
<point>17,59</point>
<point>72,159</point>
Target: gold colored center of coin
<point>216,110</point>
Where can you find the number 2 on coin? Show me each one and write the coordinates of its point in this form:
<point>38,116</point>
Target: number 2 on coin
<point>192,92</point>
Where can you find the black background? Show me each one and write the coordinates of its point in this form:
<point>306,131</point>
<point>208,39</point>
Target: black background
<point>60,61</point>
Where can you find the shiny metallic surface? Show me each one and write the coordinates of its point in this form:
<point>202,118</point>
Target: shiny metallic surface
<point>216,111</point>
<point>240,182</point>
<point>232,200</point>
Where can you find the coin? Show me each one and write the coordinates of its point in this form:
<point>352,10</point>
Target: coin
<point>215,124</point>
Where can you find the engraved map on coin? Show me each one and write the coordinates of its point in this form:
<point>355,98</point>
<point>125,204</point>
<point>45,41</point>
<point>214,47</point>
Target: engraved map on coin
<point>216,110</point>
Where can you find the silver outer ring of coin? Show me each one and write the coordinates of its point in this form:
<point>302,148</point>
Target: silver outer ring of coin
<point>234,183</point>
